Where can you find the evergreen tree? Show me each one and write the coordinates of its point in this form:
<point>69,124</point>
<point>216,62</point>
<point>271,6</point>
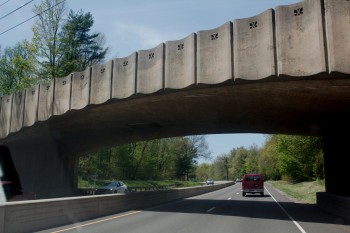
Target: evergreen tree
<point>80,47</point>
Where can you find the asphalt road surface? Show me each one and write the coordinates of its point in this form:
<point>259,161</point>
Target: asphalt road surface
<point>221,211</point>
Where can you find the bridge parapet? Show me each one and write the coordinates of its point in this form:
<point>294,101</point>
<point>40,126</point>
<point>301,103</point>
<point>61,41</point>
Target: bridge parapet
<point>300,40</point>
<point>253,40</point>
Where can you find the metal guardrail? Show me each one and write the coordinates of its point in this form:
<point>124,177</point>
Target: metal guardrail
<point>92,191</point>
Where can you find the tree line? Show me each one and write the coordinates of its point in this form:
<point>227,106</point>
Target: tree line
<point>292,158</point>
<point>287,157</point>
<point>62,43</point>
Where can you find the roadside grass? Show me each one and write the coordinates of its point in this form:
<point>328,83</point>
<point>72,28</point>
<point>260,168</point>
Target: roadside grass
<point>82,183</point>
<point>303,192</point>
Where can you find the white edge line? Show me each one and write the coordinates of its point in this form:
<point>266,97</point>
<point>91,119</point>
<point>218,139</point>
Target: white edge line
<point>285,211</point>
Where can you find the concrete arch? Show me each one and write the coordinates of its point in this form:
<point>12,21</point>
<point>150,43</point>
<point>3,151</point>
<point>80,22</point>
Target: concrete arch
<point>293,61</point>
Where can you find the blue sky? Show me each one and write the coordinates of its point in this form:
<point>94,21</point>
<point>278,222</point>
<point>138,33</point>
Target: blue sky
<point>133,25</point>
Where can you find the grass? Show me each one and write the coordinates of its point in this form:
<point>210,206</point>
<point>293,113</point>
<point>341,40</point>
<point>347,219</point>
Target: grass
<point>140,183</point>
<point>303,192</point>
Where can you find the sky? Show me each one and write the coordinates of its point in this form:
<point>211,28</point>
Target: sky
<point>133,25</point>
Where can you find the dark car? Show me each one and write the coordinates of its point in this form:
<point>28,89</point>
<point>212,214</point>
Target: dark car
<point>252,183</point>
<point>112,187</point>
<point>10,191</point>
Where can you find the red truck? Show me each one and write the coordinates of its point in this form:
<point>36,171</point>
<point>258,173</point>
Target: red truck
<point>252,183</point>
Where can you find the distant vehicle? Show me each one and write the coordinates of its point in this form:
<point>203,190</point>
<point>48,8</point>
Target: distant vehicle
<point>209,181</point>
<point>252,183</point>
<point>112,187</point>
<point>238,180</point>
<point>10,191</point>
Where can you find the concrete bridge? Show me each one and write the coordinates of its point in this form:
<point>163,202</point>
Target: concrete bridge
<point>285,70</point>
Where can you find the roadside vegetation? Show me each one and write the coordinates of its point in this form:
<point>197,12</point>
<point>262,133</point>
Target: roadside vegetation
<point>164,184</point>
<point>304,192</point>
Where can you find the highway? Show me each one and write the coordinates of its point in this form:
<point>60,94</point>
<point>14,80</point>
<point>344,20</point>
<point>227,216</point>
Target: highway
<point>221,211</point>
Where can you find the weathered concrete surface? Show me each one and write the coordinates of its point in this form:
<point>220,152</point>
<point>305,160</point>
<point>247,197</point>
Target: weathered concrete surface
<point>61,103</point>
<point>80,89</point>
<point>334,204</point>
<point>214,55</point>
<point>31,106</point>
<point>50,173</point>
<point>32,216</point>
<point>300,39</point>
<point>180,62</point>
<point>338,34</point>
<point>101,83</point>
<point>5,115</point>
<point>124,76</point>
<point>45,105</point>
<point>254,40</point>
<point>17,111</point>
<point>150,66</point>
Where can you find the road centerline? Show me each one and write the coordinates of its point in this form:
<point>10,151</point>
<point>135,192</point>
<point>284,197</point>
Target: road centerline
<point>99,221</point>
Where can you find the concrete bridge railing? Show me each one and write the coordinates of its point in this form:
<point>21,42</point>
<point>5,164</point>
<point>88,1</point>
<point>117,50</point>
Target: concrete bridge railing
<point>32,216</point>
<point>309,39</point>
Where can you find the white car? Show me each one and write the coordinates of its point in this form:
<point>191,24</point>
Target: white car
<point>112,187</point>
<point>209,181</point>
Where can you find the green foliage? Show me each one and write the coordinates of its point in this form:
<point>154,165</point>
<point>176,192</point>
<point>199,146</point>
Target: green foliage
<point>79,47</point>
<point>17,68</point>
<point>297,156</point>
<point>65,45</point>
<point>168,158</point>
<point>293,158</point>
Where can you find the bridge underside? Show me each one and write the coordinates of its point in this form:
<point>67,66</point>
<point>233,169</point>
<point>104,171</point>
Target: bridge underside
<point>301,107</point>
<point>304,107</point>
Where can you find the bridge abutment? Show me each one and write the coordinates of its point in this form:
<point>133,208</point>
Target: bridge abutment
<point>336,199</point>
<point>42,169</point>
<point>336,152</point>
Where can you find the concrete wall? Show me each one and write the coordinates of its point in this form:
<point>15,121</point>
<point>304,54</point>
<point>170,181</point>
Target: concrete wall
<point>253,40</point>
<point>30,216</point>
<point>124,76</point>
<point>101,83</point>
<point>81,89</point>
<point>63,88</point>
<point>338,34</point>
<point>17,111</point>
<point>180,62</point>
<point>45,105</point>
<point>291,41</point>
<point>150,70</point>
<point>31,106</point>
<point>5,115</point>
<point>336,205</point>
<point>300,39</point>
<point>214,55</point>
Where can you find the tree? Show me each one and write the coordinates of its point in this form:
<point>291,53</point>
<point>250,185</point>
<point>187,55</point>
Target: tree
<point>187,151</point>
<point>80,48</point>
<point>238,156</point>
<point>46,35</point>
<point>17,68</point>
<point>297,156</point>
<point>268,160</point>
